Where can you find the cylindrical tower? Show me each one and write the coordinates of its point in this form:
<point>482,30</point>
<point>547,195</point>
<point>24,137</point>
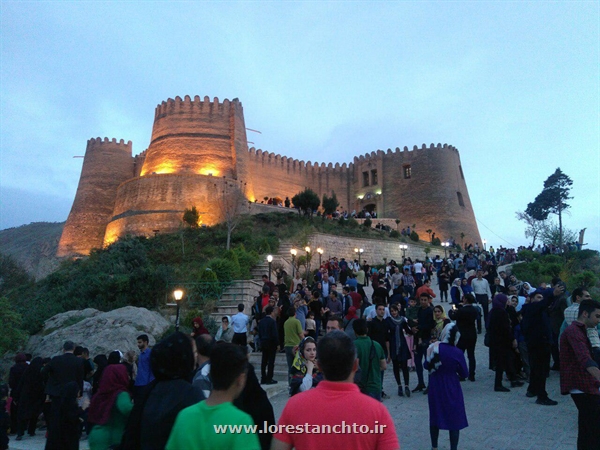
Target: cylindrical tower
<point>106,165</point>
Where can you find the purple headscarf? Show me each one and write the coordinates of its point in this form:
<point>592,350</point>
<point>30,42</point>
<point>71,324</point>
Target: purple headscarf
<point>499,301</point>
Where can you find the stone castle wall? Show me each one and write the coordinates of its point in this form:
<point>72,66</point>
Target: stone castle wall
<point>199,146</point>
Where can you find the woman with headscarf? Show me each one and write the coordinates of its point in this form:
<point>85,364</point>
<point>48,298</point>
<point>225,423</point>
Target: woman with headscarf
<point>440,319</point>
<point>304,372</point>
<point>31,398</point>
<point>455,292</point>
<point>349,320</point>
<point>466,287</point>
<point>173,362</point>
<point>101,361</point>
<point>225,332</point>
<point>502,342</point>
<point>446,365</point>
<point>198,327</point>
<point>110,408</point>
<point>398,350</point>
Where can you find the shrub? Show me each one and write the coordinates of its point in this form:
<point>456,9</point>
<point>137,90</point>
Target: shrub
<point>436,241</point>
<point>12,336</point>
<point>342,222</point>
<point>353,223</point>
<point>394,234</point>
<point>367,223</point>
<point>414,236</point>
<point>224,269</point>
<point>528,255</point>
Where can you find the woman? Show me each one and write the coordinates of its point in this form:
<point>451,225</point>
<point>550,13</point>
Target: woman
<point>304,372</point>
<point>225,332</point>
<point>110,408</point>
<point>502,342</point>
<point>443,281</point>
<point>446,365</point>
<point>466,287</point>
<point>101,361</point>
<point>173,362</point>
<point>198,327</point>
<point>399,352</point>
<point>440,319</point>
<point>31,398</point>
<point>455,292</point>
<point>348,321</point>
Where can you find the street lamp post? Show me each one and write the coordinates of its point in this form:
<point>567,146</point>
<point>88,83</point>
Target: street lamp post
<point>403,247</point>
<point>445,245</point>
<point>307,250</point>
<point>269,260</point>
<point>177,295</point>
<point>320,252</point>
<point>294,252</point>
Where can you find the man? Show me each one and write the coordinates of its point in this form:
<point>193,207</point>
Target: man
<point>333,305</point>
<point>497,288</point>
<point>356,297</point>
<point>572,312</point>
<point>471,262</point>
<point>483,295</point>
<point>556,312</point>
<point>267,282</point>
<point>372,360</point>
<point>418,269</point>
<point>425,288</point>
<point>144,371</point>
<point>65,384</point>
<point>347,300</point>
<point>359,273</point>
<point>334,323</point>
<point>380,293</point>
<point>579,373</point>
<point>425,324</point>
<point>335,404</point>
<point>465,316</point>
<point>88,366</point>
<point>408,283</point>
<point>239,323</point>
<point>378,332</point>
<point>293,334</point>
<point>269,339</point>
<point>343,265</point>
<point>538,336</point>
<point>202,381</point>
<point>195,426</point>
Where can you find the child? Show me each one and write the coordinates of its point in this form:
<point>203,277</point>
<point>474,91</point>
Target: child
<point>411,314</point>
<point>311,325</point>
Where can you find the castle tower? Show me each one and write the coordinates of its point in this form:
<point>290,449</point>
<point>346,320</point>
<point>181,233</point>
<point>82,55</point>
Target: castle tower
<point>106,164</point>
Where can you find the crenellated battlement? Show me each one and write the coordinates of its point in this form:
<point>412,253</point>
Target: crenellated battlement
<point>197,105</point>
<point>100,141</point>
<point>276,160</point>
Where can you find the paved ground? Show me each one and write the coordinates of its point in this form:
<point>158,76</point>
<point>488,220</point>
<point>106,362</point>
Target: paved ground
<point>507,421</point>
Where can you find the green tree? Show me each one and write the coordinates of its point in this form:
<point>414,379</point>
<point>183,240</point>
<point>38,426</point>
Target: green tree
<point>552,200</point>
<point>191,217</point>
<point>330,204</point>
<point>12,336</point>
<point>534,226</point>
<point>306,201</point>
<point>429,231</point>
<point>551,234</point>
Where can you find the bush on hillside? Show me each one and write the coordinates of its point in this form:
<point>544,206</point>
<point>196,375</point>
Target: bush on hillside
<point>436,241</point>
<point>225,269</point>
<point>367,223</point>
<point>12,336</point>
<point>414,236</point>
<point>394,234</point>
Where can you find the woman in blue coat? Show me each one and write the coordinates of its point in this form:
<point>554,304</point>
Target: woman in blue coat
<point>446,364</point>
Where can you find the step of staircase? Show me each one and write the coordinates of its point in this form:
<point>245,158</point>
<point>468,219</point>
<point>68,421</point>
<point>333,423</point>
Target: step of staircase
<point>280,372</point>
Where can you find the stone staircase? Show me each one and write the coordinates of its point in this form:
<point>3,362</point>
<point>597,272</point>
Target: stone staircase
<point>280,372</point>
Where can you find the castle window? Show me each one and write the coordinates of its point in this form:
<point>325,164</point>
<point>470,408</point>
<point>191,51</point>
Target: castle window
<point>374,176</point>
<point>365,178</point>
<point>461,172</point>
<point>407,171</point>
<point>460,199</point>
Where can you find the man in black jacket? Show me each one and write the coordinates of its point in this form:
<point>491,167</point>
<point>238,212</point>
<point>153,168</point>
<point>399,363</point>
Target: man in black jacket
<point>425,324</point>
<point>466,318</point>
<point>65,384</point>
<point>269,338</point>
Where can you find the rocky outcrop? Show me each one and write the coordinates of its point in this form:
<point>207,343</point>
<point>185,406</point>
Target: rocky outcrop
<point>101,332</point>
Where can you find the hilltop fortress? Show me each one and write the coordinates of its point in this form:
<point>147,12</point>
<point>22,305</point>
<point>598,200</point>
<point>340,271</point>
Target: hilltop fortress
<point>199,147</point>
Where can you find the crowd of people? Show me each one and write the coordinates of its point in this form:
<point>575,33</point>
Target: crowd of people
<point>338,343</point>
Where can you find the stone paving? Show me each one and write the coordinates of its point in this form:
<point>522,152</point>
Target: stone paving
<point>497,420</point>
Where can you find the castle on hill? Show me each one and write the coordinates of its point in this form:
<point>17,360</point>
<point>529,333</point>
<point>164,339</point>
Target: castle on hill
<point>199,147</point>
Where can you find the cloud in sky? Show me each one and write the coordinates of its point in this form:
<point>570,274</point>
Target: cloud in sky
<point>514,86</point>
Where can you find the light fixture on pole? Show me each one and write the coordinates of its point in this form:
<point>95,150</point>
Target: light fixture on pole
<point>294,252</point>
<point>320,252</point>
<point>307,250</point>
<point>177,295</point>
<point>445,245</point>
<point>403,247</point>
<point>269,260</point>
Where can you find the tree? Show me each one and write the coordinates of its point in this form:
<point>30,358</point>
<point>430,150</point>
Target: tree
<point>551,234</point>
<point>534,226</point>
<point>191,217</point>
<point>552,200</point>
<point>12,336</point>
<point>307,201</point>
<point>397,223</point>
<point>232,204</point>
<point>330,204</point>
<point>429,231</point>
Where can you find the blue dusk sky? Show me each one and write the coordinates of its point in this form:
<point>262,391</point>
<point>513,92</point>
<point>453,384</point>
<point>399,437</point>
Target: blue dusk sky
<point>513,85</point>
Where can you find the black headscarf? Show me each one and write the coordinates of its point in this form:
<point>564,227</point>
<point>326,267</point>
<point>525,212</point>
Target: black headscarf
<point>173,358</point>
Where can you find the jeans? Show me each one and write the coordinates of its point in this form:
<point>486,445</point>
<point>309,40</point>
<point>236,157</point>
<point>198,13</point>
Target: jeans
<point>588,407</point>
<point>376,396</point>
<point>269,350</point>
<point>539,361</point>
<point>289,356</point>
<point>469,346</point>
<point>483,300</point>
<point>419,354</point>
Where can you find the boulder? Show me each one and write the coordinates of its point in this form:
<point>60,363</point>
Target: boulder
<point>100,332</point>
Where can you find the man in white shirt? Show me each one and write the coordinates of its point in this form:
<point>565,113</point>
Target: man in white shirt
<point>483,295</point>
<point>239,323</point>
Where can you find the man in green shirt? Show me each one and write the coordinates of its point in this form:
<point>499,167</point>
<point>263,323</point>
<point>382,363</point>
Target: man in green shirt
<point>371,358</point>
<point>292,335</point>
<point>215,423</point>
